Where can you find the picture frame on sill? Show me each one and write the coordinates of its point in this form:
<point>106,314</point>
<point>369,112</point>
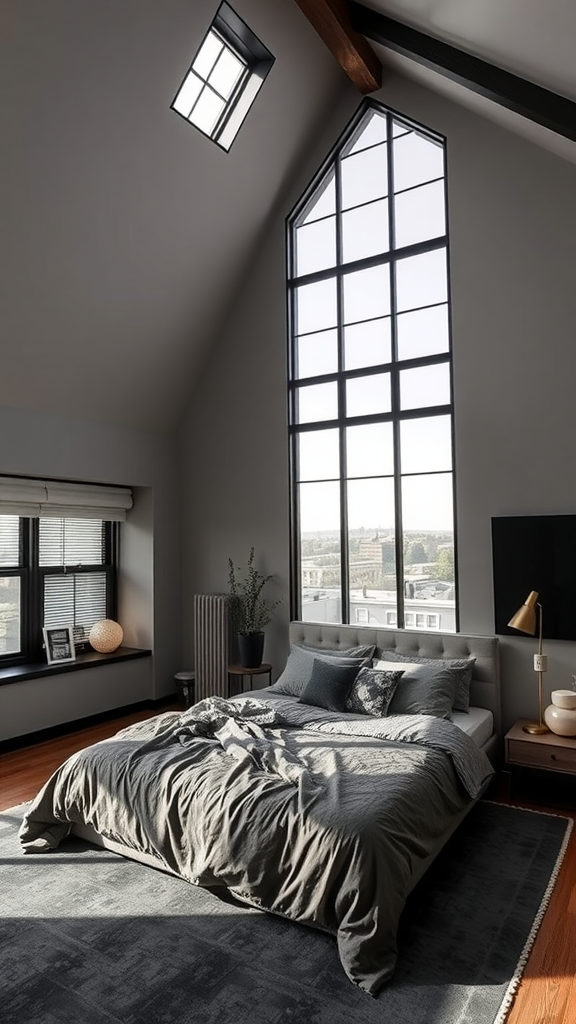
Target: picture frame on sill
<point>59,643</point>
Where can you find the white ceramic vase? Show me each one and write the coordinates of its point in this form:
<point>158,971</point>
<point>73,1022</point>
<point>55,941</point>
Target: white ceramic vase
<point>560,715</point>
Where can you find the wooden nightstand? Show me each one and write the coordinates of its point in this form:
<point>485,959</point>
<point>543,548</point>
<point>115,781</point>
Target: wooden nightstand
<point>545,753</point>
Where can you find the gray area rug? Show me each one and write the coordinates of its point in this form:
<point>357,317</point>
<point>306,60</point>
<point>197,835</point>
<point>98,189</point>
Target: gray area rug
<point>88,937</point>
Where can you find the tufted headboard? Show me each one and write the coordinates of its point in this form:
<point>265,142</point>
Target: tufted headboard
<point>485,688</point>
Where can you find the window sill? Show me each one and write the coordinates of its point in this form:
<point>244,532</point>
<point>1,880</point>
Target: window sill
<point>17,673</point>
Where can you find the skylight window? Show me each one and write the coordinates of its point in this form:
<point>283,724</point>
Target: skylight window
<point>224,78</point>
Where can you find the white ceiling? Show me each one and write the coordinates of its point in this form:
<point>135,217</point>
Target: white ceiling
<point>125,234</point>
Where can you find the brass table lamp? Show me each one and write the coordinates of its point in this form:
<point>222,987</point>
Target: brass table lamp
<point>525,621</point>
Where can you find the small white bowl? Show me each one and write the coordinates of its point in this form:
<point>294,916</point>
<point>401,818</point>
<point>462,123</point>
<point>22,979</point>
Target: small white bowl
<point>564,699</point>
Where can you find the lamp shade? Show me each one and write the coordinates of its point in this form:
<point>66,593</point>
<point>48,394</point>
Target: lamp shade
<point>106,635</point>
<point>525,618</point>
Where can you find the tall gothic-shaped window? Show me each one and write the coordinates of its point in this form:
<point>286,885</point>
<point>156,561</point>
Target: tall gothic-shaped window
<point>370,382</point>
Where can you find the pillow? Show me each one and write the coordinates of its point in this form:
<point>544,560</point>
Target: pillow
<point>425,690</point>
<point>329,685</point>
<point>464,665</point>
<point>298,668</point>
<point>371,692</point>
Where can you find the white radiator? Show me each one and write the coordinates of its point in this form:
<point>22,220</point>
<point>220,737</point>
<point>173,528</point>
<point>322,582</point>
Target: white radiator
<point>212,638</point>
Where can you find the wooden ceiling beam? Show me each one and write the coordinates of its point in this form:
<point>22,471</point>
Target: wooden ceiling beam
<point>331,19</point>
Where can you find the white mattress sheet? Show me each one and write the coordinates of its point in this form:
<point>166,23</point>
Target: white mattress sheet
<point>478,723</point>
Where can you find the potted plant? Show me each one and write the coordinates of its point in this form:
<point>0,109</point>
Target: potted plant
<point>251,612</point>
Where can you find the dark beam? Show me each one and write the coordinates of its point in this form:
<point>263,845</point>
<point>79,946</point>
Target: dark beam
<point>531,101</point>
<point>354,54</point>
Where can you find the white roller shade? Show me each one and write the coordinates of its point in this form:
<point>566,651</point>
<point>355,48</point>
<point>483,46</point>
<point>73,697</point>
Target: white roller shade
<point>52,498</point>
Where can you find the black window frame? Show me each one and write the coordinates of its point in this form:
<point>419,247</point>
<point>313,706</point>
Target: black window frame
<point>293,282</point>
<point>237,37</point>
<point>32,577</point>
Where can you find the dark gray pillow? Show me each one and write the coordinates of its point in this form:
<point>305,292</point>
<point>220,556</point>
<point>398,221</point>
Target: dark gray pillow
<point>298,668</point>
<point>425,690</point>
<point>329,685</point>
<point>372,691</point>
<point>465,666</point>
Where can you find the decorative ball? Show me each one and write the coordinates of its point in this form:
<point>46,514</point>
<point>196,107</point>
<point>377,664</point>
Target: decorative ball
<point>106,635</point>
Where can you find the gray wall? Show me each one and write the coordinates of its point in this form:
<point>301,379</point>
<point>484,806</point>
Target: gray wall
<point>512,210</point>
<point>37,444</point>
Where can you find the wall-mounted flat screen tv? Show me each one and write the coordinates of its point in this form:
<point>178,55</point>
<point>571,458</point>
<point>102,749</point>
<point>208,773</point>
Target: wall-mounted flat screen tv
<point>535,553</point>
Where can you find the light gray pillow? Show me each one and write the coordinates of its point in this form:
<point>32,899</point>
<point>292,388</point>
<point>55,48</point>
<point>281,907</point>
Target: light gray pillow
<point>372,691</point>
<point>298,669</point>
<point>465,666</point>
<point>425,690</point>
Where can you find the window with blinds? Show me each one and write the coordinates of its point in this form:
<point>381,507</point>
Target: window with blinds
<point>10,586</point>
<point>53,572</point>
<point>75,592</point>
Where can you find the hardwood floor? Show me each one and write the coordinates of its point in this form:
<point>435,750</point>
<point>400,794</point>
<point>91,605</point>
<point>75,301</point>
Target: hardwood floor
<point>547,993</point>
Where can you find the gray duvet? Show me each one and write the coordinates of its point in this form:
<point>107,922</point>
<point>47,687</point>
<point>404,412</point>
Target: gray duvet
<point>313,815</point>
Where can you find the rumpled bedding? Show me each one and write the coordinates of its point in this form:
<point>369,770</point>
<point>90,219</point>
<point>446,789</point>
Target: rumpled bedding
<point>317,816</point>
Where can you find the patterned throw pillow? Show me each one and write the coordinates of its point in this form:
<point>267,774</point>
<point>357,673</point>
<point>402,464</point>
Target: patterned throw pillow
<point>372,692</point>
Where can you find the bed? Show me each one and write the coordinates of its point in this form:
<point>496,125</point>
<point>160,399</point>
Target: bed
<point>317,807</point>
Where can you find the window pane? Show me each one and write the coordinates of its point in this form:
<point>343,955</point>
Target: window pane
<point>71,542</point>
<point>320,562</point>
<point>371,536</point>
<point>369,450</point>
<point>226,73</point>
<point>188,94</point>
<point>364,176</point>
<point>420,214</point>
<point>324,201</point>
<point>9,541</point>
<point>422,280</point>
<point>317,353</point>
<point>366,396</point>
<point>426,444</point>
<point>366,294</point>
<point>367,344</point>
<point>207,110</point>
<point>75,600</point>
<point>10,642</point>
<point>365,231</point>
<point>423,332</point>
<point>316,306</point>
<point>207,55</point>
<point>416,160</point>
<point>316,402</point>
<point>427,503</point>
<point>425,386</point>
<point>373,131</point>
<point>318,455</point>
<point>316,246</point>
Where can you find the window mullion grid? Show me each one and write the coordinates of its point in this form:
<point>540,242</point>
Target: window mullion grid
<point>293,435</point>
<point>344,544</point>
<point>230,103</point>
<point>395,383</point>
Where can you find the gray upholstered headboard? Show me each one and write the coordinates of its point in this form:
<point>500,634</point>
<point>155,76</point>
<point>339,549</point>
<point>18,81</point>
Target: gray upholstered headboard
<point>485,689</point>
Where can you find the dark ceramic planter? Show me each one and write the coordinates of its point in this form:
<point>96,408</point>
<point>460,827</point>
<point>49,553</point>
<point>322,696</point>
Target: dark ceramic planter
<point>250,649</point>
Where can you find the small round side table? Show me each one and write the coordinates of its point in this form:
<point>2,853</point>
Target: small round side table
<point>235,671</point>
<point>185,682</point>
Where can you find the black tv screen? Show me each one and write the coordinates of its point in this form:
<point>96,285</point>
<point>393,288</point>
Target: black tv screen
<point>535,553</point>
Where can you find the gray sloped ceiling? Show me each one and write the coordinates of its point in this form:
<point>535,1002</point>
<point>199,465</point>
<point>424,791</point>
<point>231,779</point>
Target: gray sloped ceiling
<point>125,232</point>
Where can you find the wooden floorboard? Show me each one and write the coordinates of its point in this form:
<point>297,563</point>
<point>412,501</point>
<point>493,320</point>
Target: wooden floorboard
<point>547,992</point>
